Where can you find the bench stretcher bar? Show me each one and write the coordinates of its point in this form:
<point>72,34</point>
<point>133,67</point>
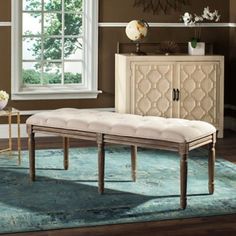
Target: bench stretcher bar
<point>101,139</point>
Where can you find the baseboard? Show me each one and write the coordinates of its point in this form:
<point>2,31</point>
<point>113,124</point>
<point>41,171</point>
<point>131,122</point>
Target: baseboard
<point>230,117</point>
<point>230,123</point>
<point>4,128</point>
<point>4,134</point>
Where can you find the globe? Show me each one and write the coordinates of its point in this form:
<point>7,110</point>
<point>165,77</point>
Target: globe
<point>136,30</point>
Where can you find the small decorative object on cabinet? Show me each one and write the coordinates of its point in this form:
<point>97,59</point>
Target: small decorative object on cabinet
<point>174,86</point>
<point>199,50</point>
<point>195,46</point>
<point>169,47</point>
<point>136,30</point>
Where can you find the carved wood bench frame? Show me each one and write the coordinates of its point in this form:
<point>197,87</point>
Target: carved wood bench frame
<point>101,139</point>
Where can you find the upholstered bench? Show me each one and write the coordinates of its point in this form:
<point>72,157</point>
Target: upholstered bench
<point>108,127</point>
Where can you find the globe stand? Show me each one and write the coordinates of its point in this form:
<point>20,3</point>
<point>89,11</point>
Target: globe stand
<point>138,51</point>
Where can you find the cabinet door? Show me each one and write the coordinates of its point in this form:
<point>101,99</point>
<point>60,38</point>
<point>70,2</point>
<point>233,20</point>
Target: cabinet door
<point>152,88</point>
<point>198,90</point>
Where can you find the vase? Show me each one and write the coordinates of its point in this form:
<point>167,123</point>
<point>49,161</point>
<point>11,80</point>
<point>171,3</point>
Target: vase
<point>198,51</point>
<point>3,103</point>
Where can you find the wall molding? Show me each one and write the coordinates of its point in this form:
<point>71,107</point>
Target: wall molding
<point>23,133</point>
<point>5,131</point>
<point>230,123</point>
<point>151,24</point>
<point>4,127</point>
<point>231,107</point>
<point>4,24</point>
<point>169,25</point>
<point>31,112</point>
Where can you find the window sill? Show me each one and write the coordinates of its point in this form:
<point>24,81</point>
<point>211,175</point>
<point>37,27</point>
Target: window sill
<point>55,95</point>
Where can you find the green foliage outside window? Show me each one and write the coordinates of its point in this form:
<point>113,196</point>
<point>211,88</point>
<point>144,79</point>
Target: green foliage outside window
<point>53,46</point>
<point>34,77</point>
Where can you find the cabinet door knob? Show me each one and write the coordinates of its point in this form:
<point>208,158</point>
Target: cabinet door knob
<point>174,95</point>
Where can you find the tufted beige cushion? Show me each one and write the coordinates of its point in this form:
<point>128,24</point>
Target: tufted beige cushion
<point>151,127</point>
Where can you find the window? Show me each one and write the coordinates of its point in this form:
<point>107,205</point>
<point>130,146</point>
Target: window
<point>54,49</point>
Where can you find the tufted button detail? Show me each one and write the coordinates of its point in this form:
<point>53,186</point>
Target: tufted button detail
<point>151,127</point>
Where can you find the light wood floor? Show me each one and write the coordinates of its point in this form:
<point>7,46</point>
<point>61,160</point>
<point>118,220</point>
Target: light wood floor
<point>216,226</point>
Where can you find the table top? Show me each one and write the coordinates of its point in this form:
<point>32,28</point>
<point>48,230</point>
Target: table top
<point>9,111</point>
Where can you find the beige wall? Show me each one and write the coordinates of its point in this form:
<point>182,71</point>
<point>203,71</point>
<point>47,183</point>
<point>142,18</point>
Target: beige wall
<point>121,11</point>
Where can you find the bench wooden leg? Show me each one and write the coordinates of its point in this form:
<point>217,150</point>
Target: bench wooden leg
<point>31,146</point>
<point>133,162</point>
<point>66,152</point>
<point>101,162</point>
<point>183,179</point>
<point>211,167</point>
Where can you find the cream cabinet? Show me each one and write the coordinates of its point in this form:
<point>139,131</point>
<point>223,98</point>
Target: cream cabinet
<point>190,87</point>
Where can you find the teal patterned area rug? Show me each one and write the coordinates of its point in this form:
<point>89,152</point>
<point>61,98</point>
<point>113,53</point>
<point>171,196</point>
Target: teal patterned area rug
<point>65,199</point>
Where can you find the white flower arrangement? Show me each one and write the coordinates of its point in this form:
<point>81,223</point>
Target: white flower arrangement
<point>195,20</point>
<point>4,95</point>
<point>191,20</point>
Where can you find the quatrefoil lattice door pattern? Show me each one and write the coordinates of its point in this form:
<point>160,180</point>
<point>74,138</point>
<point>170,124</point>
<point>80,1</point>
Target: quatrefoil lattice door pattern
<point>152,89</point>
<point>174,86</point>
<point>198,91</point>
<point>190,93</point>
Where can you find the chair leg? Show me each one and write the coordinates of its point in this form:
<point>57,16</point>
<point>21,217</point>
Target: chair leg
<point>66,152</point>
<point>133,162</point>
<point>211,167</point>
<point>101,163</point>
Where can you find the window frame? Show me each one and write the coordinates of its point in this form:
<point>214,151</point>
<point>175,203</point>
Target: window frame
<point>87,91</point>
